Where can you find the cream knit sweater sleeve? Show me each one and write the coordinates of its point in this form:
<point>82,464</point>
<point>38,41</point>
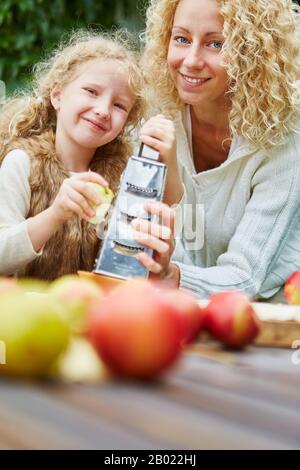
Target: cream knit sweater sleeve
<point>16,249</point>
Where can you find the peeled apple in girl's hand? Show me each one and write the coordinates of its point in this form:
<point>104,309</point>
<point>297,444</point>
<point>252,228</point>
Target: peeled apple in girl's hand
<point>76,294</point>
<point>101,210</point>
<point>33,331</point>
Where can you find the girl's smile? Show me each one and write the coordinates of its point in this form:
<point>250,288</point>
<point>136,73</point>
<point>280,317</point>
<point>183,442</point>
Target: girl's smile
<point>97,125</point>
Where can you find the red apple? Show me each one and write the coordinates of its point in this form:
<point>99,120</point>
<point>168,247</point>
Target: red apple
<point>76,295</point>
<point>190,312</point>
<point>230,317</point>
<point>135,330</point>
<point>292,289</point>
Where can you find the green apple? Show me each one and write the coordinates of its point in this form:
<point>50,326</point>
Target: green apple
<point>33,285</point>
<point>101,210</point>
<point>75,295</point>
<point>34,333</point>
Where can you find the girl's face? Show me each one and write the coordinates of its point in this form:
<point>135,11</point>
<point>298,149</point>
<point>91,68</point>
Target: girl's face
<point>92,110</point>
<point>194,55</point>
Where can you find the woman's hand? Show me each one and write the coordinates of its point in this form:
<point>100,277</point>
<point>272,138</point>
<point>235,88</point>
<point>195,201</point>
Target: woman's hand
<point>159,133</point>
<point>76,197</point>
<point>160,238</point>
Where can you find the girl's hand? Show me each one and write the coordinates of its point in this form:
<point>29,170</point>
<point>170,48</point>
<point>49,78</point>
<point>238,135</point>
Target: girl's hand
<point>159,133</point>
<point>75,197</point>
<point>160,238</point>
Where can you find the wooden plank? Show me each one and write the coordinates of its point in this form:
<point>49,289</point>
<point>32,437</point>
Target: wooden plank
<point>45,422</point>
<point>264,418</point>
<point>240,380</point>
<point>153,415</point>
<point>269,364</point>
<point>212,399</point>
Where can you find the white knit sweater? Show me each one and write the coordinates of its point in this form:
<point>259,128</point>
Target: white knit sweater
<point>16,249</point>
<point>248,218</point>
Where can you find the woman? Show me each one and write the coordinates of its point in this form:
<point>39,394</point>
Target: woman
<point>228,73</point>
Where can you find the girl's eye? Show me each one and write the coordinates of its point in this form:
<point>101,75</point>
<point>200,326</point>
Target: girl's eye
<point>216,44</point>
<point>181,40</point>
<point>121,106</point>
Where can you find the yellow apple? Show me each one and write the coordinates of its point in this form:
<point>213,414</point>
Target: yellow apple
<point>33,285</point>
<point>75,295</point>
<point>34,333</point>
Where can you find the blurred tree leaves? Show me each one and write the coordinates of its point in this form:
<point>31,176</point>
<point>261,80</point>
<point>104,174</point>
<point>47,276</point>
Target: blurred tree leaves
<point>31,27</point>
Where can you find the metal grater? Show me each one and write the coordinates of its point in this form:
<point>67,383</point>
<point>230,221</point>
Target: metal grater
<point>142,181</point>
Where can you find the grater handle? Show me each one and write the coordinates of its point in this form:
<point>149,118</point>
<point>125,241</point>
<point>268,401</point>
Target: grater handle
<point>148,152</point>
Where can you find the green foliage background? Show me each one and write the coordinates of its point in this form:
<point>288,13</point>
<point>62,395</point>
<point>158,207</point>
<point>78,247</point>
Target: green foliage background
<point>29,28</point>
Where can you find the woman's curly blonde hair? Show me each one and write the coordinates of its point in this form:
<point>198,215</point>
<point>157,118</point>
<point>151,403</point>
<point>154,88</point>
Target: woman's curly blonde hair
<point>31,115</point>
<point>262,56</point>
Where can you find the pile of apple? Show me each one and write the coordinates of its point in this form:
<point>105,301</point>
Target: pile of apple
<point>37,321</point>
<point>138,330</point>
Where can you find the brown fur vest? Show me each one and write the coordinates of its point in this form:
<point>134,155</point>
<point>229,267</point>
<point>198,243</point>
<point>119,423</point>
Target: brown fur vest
<point>74,246</point>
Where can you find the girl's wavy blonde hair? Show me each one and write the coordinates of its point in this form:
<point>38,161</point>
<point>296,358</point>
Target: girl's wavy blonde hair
<point>262,56</point>
<point>31,115</point>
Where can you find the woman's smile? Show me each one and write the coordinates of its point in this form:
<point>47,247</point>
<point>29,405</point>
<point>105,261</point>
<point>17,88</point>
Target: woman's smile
<point>193,81</point>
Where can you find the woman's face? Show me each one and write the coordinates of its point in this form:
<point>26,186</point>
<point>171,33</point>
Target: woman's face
<point>194,55</point>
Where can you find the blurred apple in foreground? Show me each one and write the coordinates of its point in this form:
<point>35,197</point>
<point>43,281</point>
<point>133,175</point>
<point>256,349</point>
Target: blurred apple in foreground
<point>76,295</point>
<point>33,285</point>
<point>292,289</point>
<point>80,363</point>
<point>34,333</point>
<point>190,312</point>
<point>231,319</point>
<point>135,330</point>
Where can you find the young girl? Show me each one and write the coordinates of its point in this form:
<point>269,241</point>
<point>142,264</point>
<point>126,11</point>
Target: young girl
<point>71,130</point>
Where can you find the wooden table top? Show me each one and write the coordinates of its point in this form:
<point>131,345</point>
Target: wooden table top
<point>212,399</point>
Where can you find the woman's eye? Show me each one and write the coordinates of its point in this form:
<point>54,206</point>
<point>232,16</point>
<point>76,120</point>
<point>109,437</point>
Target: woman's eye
<point>91,91</point>
<point>216,44</point>
<point>181,40</point>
